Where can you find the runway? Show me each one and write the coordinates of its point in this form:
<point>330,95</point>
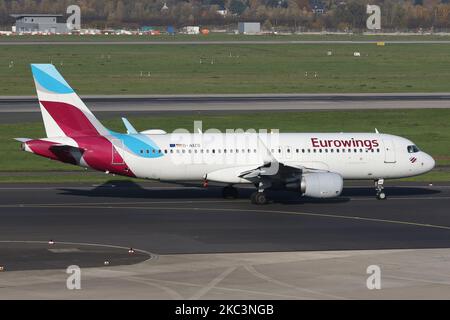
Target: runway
<point>218,42</point>
<point>176,219</point>
<point>15,109</point>
<point>187,239</point>
<point>189,243</point>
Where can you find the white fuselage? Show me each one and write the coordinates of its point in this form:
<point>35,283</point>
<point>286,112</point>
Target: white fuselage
<point>222,157</point>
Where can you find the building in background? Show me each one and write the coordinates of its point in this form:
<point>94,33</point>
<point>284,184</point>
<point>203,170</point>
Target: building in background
<point>317,6</point>
<point>249,27</point>
<point>191,30</point>
<point>39,23</point>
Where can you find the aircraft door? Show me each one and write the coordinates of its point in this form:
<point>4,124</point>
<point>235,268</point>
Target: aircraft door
<point>389,151</point>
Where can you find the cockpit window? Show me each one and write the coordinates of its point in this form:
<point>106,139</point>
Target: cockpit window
<point>413,149</point>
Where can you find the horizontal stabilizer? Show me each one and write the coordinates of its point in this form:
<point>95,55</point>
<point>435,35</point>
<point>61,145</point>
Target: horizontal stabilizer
<point>22,139</point>
<point>65,147</point>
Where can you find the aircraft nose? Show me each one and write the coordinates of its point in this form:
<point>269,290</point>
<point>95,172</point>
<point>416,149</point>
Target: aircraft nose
<point>428,162</point>
<point>432,162</point>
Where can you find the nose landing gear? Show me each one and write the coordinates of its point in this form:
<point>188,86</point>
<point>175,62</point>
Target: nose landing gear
<point>379,188</point>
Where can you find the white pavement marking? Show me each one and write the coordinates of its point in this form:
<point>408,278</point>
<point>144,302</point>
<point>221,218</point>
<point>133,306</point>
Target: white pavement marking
<point>262,276</point>
<point>401,198</point>
<point>341,273</point>
<point>172,293</point>
<point>213,283</point>
<point>234,290</point>
<point>110,204</point>
<point>151,255</point>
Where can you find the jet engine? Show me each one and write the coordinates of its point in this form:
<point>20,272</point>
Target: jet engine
<point>321,184</point>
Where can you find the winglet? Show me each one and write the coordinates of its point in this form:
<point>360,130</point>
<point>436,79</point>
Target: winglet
<point>376,130</point>
<point>129,126</point>
<point>268,157</point>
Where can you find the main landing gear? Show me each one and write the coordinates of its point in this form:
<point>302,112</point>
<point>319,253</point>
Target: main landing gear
<point>379,188</point>
<point>259,197</point>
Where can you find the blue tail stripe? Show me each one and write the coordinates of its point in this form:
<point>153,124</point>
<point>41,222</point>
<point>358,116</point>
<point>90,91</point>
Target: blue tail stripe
<point>50,79</point>
<point>136,143</point>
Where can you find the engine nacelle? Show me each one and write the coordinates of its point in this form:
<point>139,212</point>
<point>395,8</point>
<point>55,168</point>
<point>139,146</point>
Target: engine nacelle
<point>321,185</point>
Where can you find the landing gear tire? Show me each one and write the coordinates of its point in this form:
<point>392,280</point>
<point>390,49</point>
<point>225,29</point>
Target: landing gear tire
<point>230,192</point>
<point>379,189</point>
<point>381,196</point>
<point>258,198</point>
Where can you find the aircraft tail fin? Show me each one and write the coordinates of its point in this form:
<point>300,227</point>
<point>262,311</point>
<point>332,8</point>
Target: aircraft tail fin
<point>63,112</point>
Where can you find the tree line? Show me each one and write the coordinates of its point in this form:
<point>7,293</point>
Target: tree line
<point>293,15</point>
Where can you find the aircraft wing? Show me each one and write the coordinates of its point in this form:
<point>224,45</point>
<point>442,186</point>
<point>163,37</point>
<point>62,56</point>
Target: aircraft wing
<point>273,171</point>
<point>57,147</point>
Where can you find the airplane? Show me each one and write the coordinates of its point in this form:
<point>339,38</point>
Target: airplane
<point>311,164</point>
